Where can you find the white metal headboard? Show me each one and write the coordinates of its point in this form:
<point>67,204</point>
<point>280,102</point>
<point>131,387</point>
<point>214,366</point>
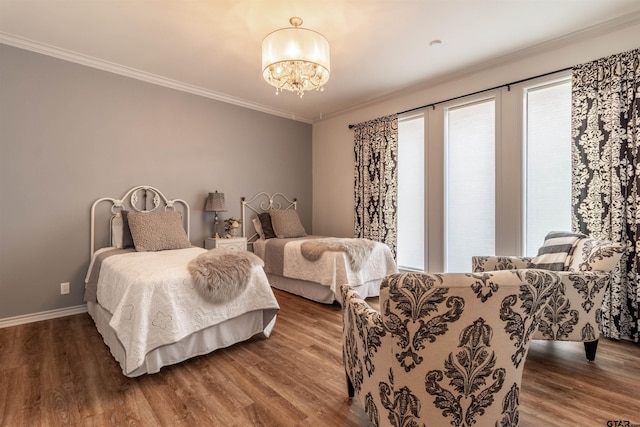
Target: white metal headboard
<point>131,200</point>
<point>263,202</point>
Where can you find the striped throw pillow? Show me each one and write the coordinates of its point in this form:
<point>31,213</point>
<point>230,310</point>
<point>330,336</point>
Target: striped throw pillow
<point>555,254</point>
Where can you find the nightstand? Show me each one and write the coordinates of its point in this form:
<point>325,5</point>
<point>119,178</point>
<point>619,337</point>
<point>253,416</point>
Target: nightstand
<point>233,243</point>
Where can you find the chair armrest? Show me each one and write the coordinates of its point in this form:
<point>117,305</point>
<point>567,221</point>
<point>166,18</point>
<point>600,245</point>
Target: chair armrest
<point>369,316</point>
<point>493,263</point>
<point>362,336</point>
<point>573,314</point>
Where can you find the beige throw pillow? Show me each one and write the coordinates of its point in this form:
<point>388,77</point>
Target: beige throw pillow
<point>286,223</point>
<point>157,231</point>
<point>596,255</point>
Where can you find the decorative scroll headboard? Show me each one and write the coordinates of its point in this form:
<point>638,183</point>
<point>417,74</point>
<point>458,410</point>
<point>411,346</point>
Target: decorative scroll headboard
<point>263,202</point>
<point>142,198</point>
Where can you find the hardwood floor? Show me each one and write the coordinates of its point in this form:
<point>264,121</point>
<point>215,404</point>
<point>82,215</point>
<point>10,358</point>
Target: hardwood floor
<point>59,372</point>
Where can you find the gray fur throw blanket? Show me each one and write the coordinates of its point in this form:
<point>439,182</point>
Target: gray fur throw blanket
<point>357,250</point>
<point>220,275</point>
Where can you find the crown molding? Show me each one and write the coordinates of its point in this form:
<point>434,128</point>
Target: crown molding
<point>577,36</point>
<point>88,61</point>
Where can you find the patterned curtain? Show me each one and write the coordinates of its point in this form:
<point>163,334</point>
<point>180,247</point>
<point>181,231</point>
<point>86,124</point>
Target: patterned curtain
<point>606,176</point>
<point>376,180</point>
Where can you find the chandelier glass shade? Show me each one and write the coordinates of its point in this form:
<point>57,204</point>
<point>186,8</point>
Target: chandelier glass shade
<point>295,59</point>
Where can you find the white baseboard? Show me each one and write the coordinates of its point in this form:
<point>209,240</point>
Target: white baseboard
<point>43,315</point>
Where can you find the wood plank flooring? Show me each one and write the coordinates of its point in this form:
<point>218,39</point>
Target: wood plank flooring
<point>59,372</point>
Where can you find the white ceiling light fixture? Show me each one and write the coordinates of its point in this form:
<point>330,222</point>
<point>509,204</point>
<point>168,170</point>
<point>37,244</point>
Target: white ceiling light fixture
<point>295,59</point>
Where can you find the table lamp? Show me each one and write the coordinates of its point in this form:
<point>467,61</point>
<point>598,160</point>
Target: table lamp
<point>215,204</point>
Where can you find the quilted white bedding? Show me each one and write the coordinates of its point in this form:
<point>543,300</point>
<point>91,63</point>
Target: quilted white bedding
<point>153,302</point>
<point>332,269</point>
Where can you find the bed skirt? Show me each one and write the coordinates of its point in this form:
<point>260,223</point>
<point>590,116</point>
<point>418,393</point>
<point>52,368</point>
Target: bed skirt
<point>222,335</point>
<point>320,293</point>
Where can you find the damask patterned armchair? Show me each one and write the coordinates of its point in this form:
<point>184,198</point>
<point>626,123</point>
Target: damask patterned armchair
<point>585,265</point>
<point>445,349</point>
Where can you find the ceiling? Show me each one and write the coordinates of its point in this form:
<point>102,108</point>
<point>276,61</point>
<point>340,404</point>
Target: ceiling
<point>213,47</point>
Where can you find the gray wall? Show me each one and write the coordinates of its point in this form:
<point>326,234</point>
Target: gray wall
<point>70,134</point>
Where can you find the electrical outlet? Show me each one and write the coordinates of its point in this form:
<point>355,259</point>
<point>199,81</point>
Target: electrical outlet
<point>64,288</point>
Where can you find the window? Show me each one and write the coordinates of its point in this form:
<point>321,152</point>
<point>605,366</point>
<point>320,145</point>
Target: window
<point>497,167</point>
<point>547,180</point>
<point>469,183</point>
<point>411,207</point>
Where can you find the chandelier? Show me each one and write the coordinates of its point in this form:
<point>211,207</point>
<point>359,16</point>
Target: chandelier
<point>295,59</point>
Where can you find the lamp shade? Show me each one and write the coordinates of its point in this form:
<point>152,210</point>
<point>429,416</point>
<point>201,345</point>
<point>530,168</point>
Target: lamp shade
<point>215,203</point>
<point>296,59</point>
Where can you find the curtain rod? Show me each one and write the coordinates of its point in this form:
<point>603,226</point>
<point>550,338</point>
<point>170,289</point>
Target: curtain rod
<point>507,85</point>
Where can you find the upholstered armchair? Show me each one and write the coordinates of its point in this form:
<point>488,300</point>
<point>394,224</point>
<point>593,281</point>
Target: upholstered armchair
<point>584,265</point>
<point>444,349</point>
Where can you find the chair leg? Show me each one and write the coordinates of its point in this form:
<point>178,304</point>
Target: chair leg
<point>590,350</point>
<point>350,389</point>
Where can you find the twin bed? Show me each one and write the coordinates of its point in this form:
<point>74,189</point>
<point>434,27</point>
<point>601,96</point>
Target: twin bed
<point>144,299</point>
<point>313,267</point>
<point>157,300</point>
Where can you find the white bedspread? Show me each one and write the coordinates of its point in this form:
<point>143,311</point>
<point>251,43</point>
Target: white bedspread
<point>153,301</point>
<point>333,268</point>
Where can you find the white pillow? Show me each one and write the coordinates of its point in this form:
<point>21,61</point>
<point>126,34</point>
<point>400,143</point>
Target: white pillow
<point>117,231</point>
<point>258,226</point>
